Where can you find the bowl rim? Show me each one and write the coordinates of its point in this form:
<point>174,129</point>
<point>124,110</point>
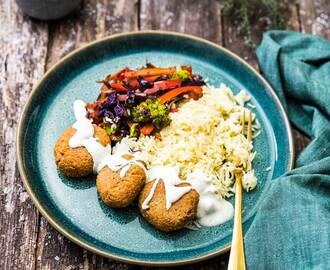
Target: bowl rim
<point>68,234</point>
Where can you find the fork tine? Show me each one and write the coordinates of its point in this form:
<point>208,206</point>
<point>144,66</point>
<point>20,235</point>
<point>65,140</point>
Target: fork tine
<point>249,132</point>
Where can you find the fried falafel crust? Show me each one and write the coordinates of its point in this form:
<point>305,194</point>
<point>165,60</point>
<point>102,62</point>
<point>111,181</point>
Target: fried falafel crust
<point>76,162</point>
<point>173,219</point>
<point>119,192</point>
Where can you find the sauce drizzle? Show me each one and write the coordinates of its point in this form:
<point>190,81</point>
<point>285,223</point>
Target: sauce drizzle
<point>170,177</point>
<point>101,154</point>
<point>211,210</point>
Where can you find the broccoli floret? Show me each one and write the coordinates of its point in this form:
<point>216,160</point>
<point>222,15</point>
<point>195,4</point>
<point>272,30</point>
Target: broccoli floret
<point>182,74</point>
<point>151,111</point>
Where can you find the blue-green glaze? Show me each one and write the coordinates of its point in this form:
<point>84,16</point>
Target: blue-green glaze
<point>73,205</point>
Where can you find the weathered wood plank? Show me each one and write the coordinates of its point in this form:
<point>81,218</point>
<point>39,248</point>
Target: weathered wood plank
<point>200,18</point>
<point>23,46</point>
<point>315,17</point>
<point>95,20</point>
<point>235,41</point>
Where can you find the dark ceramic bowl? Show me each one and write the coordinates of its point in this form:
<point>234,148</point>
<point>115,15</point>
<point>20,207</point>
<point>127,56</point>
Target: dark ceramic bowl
<point>48,9</point>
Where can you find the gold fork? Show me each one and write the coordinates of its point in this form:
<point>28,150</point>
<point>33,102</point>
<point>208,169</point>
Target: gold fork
<point>237,257</point>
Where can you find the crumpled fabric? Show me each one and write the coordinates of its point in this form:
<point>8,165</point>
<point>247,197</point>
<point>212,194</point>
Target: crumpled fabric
<point>291,229</point>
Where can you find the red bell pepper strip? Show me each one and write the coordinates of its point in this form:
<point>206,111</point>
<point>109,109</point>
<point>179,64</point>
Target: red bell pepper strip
<point>194,91</point>
<point>163,85</point>
<point>149,72</point>
<point>118,86</point>
<point>150,78</point>
<point>117,75</point>
<point>133,83</point>
<point>147,129</point>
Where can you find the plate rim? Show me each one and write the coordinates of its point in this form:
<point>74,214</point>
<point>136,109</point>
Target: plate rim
<point>68,234</point>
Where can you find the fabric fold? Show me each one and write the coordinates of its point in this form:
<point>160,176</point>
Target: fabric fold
<point>291,229</point>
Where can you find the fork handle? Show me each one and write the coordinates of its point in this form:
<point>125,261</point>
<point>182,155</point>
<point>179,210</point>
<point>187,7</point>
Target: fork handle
<point>237,257</point>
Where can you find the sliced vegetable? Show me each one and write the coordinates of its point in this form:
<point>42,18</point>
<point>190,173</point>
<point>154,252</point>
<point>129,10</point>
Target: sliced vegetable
<point>196,92</point>
<point>151,78</point>
<point>149,72</point>
<point>121,97</point>
<point>117,75</point>
<point>194,81</point>
<point>182,74</point>
<point>118,86</point>
<point>147,129</point>
<point>130,99</point>
<point>163,85</point>
<point>133,83</point>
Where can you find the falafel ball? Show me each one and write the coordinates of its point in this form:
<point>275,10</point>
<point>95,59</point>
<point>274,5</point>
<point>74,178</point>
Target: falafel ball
<point>76,162</point>
<point>119,192</point>
<point>180,213</point>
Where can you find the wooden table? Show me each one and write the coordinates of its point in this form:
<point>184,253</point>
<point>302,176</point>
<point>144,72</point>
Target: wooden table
<point>30,47</point>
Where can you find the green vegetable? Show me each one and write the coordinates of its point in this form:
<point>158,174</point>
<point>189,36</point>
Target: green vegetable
<point>151,111</point>
<point>245,12</point>
<point>110,130</point>
<point>183,75</point>
<point>134,130</point>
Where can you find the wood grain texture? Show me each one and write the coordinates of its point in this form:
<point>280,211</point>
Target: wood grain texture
<point>199,18</point>
<point>23,46</point>
<point>315,17</point>
<point>236,42</point>
<point>95,19</point>
<point>29,47</point>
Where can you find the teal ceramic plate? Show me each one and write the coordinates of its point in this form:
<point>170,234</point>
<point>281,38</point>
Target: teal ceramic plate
<point>73,207</point>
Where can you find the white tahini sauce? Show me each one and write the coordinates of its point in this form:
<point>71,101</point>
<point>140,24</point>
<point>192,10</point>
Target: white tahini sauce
<point>101,154</point>
<point>83,126</point>
<point>211,210</point>
<point>145,204</point>
<point>117,162</point>
<point>98,152</point>
<point>170,177</point>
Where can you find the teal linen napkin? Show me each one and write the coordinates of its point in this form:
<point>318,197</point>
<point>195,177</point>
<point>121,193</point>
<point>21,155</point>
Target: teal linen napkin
<point>291,229</point>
